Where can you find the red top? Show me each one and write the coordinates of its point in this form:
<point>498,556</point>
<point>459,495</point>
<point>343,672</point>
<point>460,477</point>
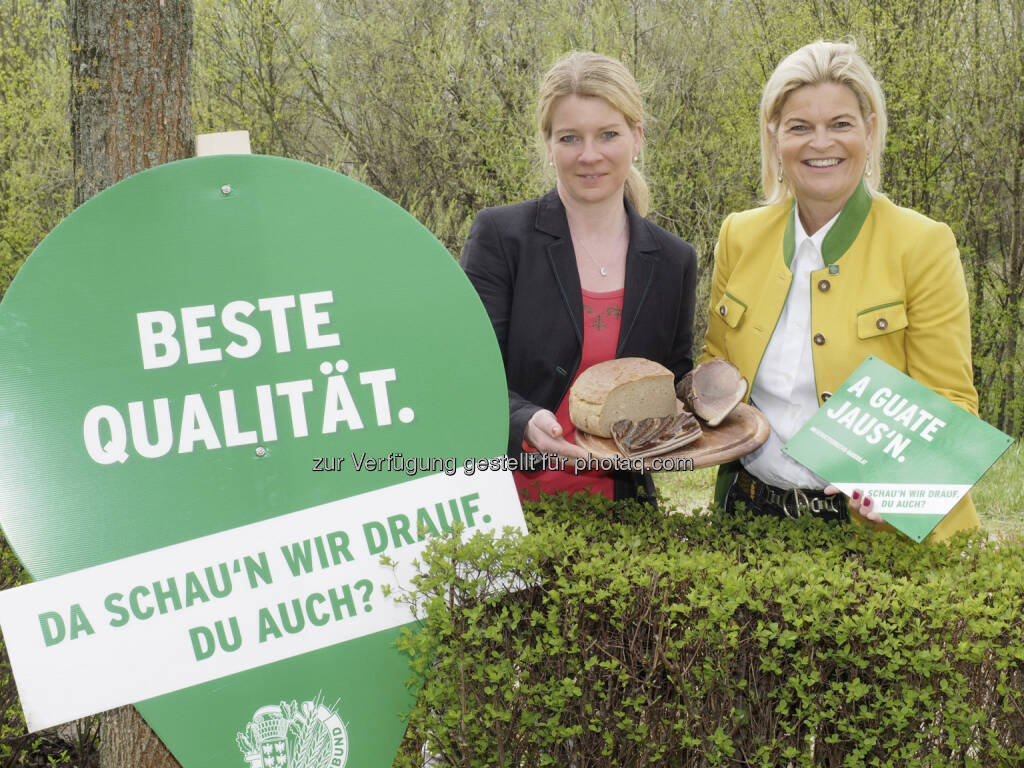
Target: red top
<point>602,318</point>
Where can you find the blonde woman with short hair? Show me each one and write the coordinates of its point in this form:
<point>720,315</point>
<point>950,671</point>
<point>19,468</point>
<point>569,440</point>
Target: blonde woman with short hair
<point>824,274</point>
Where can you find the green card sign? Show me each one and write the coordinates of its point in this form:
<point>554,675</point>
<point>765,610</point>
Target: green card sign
<point>913,451</point>
<point>228,386</point>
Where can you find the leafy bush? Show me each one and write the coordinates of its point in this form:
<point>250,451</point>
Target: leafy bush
<point>634,638</point>
<point>74,744</point>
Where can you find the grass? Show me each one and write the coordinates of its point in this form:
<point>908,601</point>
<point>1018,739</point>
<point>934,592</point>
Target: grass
<point>999,495</point>
<point>686,492</point>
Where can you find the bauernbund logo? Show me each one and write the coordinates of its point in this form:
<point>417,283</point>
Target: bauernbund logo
<point>289,735</point>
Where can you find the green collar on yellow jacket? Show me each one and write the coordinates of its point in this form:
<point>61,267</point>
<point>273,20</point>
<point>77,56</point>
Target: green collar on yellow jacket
<point>843,232</point>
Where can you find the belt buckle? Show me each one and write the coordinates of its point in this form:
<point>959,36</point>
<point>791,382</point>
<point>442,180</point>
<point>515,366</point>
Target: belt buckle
<point>801,504</point>
<point>818,506</point>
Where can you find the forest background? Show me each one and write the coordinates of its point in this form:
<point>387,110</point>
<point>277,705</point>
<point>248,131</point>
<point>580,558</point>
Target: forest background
<point>431,103</point>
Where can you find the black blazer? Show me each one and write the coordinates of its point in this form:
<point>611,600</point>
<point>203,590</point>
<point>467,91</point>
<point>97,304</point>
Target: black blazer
<point>521,260</point>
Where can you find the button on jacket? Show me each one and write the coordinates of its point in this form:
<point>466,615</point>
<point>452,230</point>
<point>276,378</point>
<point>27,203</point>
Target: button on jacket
<point>896,290</point>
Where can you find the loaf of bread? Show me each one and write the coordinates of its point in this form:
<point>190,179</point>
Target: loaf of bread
<point>627,388</point>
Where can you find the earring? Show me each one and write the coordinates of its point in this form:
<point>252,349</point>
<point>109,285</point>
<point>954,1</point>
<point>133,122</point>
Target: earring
<point>551,163</point>
<point>779,177</point>
<point>867,166</point>
<point>635,158</point>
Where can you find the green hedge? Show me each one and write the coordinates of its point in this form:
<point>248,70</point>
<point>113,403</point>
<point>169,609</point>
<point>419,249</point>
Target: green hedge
<point>636,638</point>
<point>74,744</point>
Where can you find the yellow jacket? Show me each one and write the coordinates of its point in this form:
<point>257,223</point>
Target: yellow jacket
<point>892,286</point>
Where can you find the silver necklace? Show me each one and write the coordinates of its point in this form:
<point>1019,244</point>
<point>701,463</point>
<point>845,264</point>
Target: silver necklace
<point>601,268</point>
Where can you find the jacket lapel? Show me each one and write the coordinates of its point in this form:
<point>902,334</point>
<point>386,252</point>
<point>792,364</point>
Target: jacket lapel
<point>551,220</point>
<point>641,259</point>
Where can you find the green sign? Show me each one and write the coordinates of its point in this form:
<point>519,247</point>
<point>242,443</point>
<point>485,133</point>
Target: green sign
<point>911,450</point>
<point>204,349</point>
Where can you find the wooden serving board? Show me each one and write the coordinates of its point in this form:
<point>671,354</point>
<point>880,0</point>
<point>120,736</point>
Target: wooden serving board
<point>744,431</point>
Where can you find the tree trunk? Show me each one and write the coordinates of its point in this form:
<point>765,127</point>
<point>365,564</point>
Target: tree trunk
<point>131,63</point>
<point>126,741</point>
<point>130,88</point>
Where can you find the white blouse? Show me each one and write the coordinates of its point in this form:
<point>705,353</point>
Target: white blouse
<point>784,387</point>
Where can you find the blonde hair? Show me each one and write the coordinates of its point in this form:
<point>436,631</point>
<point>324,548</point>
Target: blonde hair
<point>820,62</point>
<point>582,73</point>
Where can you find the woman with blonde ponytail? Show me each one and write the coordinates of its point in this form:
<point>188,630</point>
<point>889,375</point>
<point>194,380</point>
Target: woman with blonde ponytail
<point>579,276</point>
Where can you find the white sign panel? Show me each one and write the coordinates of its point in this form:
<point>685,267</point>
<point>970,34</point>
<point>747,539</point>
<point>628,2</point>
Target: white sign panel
<point>164,620</point>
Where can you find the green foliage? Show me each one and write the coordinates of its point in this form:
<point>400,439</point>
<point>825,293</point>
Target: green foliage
<point>431,103</point>
<point>999,496</point>
<point>633,638</point>
<point>35,136</point>
<point>248,74</point>
<point>74,744</point>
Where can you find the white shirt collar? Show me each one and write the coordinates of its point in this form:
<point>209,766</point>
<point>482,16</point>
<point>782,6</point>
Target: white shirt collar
<point>799,235</point>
